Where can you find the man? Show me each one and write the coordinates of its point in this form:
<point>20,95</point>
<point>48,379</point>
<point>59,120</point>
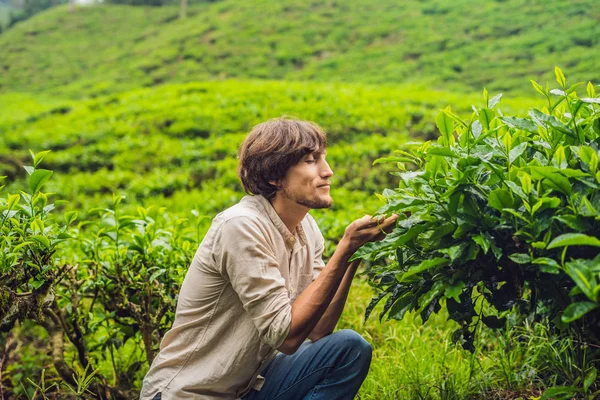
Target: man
<point>258,284</point>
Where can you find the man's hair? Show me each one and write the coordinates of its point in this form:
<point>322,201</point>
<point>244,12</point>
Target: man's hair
<point>272,147</point>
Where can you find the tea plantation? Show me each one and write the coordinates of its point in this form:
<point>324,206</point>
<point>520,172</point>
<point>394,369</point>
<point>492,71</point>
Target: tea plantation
<point>119,129</point>
<point>498,44</point>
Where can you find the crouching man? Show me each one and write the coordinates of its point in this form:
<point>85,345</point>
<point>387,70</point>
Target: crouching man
<point>258,287</point>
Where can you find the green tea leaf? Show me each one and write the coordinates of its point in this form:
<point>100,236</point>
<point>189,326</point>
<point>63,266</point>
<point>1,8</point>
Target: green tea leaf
<point>586,208</point>
<point>485,117</point>
<point>37,158</point>
<point>555,180</point>
<point>537,87</point>
<point>507,141</point>
<point>442,151</point>
<point>446,126</point>
<point>37,226</point>
<point>494,100</point>
<point>12,200</point>
<point>586,153</point>
<point>43,240</point>
<point>594,163</point>
<point>520,123</point>
<point>392,159</point>
<point>156,274</point>
<point>559,157</point>
<point>70,216</point>
<point>20,246</point>
<point>516,214</point>
<point>525,182</point>
<point>37,179</point>
<point>400,308</point>
<point>374,301</point>
<point>574,222</point>
<point>437,288</point>
<point>36,284</point>
<point>547,265</point>
<point>590,91</point>
<point>520,258</point>
<point>454,252</point>
<point>423,266</point>
<point>546,121</point>
<point>483,242</point>
<point>500,199</point>
<point>516,152</point>
<point>580,272</point>
<point>454,291</point>
<point>435,166</point>
<point>516,189</point>
<point>409,235</point>
<point>560,77</point>
<point>476,129</point>
<point>577,310</point>
<point>544,203</point>
<point>573,239</point>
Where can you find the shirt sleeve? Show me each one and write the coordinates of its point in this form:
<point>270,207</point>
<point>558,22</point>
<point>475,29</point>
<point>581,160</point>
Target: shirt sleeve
<point>245,257</point>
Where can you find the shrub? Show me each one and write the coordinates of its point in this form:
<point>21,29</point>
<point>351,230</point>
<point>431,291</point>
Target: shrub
<point>106,309</point>
<point>501,213</point>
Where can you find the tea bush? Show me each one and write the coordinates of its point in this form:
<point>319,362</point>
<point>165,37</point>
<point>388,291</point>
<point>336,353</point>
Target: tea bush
<point>500,213</point>
<point>115,294</point>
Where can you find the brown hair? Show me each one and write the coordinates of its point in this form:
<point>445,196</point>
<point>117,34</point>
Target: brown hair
<point>272,147</point>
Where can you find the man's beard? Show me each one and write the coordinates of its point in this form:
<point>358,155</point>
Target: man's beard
<point>314,204</point>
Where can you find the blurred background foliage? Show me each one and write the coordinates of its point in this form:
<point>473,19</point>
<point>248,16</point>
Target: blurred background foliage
<point>497,44</point>
<point>139,99</point>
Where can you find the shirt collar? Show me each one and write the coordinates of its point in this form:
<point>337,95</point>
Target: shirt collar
<point>291,240</point>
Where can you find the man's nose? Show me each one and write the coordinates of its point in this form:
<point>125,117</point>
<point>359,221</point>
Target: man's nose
<point>326,172</point>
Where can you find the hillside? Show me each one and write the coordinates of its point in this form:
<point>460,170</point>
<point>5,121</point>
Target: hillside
<point>440,43</point>
<point>176,144</point>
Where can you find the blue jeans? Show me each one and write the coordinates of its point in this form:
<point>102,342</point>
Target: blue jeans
<point>332,368</point>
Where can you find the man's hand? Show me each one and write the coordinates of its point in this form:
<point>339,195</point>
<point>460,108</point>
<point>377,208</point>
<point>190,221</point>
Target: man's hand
<point>310,306</point>
<point>367,229</point>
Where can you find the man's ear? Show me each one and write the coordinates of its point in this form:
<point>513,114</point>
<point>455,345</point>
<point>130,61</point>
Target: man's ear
<point>275,183</point>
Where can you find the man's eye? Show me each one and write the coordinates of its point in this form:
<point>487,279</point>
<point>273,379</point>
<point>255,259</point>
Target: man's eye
<point>311,160</point>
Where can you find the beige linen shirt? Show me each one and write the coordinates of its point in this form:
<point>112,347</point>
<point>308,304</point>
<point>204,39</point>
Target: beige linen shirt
<point>234,308</point>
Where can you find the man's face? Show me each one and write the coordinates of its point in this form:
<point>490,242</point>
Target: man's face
<point>307,183</point>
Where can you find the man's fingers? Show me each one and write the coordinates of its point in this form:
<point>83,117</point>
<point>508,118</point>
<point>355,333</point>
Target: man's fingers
<point>382,220</point>
<point>378,223</point>
<point>386,222</point>
<point>381,223</point>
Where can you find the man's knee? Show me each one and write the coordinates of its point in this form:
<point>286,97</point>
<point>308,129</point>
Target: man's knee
<point>354,345</point>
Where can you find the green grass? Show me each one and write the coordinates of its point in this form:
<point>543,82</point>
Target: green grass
<point>498,44</point>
